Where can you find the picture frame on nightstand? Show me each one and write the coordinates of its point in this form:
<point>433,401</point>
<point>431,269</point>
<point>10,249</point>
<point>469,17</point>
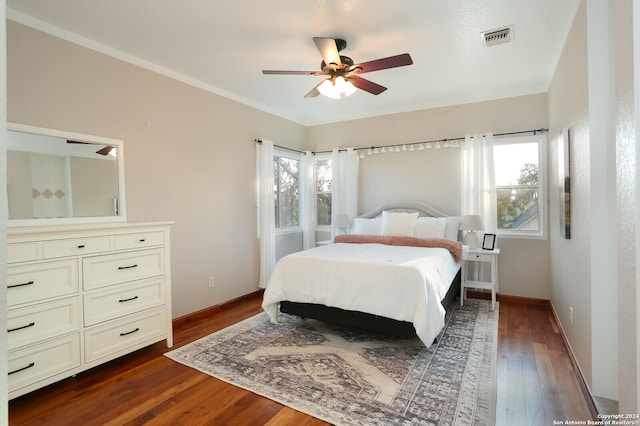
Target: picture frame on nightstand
<point>489,241</point>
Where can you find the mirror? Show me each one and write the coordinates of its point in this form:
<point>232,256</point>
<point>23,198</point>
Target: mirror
<point>56,177</point>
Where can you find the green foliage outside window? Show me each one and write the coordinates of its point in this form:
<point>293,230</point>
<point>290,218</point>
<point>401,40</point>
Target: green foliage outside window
<point>323,191</point>
<point>517,203</point>
<point>286,192</point>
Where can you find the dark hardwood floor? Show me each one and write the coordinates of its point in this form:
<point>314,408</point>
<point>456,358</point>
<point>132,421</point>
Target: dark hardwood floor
<point>537,381</point>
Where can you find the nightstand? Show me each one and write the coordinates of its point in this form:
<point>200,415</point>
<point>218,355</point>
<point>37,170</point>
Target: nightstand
<point>323,243</point>
<point>480,270</point>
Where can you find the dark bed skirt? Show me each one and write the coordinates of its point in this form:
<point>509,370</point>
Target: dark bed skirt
<point>363,320</point>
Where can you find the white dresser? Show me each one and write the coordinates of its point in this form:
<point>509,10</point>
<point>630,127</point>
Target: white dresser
<point>79,296</point>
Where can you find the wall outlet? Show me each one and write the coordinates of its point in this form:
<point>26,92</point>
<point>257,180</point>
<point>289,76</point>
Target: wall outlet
<point>571,314</point>
<point>211,282</point>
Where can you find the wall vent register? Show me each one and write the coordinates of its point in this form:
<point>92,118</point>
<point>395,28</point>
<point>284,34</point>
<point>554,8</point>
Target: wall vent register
<point>498,36</point>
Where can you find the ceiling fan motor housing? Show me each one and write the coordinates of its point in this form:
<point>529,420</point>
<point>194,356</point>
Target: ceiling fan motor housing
<point>346,62</point>
<point>340,44</point>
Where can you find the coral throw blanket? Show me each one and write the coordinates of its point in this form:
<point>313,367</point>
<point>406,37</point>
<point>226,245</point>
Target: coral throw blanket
<point>454,247</point>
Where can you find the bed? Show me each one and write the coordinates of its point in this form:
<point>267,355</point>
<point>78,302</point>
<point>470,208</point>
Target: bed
<point>396,272</point>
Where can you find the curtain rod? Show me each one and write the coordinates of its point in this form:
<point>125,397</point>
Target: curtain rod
<point>534,131</point>
<point>259,141</point>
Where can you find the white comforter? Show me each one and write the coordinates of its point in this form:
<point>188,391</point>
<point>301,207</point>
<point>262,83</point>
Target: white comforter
<point>398,282</point>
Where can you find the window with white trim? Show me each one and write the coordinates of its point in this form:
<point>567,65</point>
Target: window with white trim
<point>520,171</point>
<point>286,178</point>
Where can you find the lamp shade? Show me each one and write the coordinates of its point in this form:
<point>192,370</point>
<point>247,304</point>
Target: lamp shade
<point>342,221</point>
<point>472,222</point>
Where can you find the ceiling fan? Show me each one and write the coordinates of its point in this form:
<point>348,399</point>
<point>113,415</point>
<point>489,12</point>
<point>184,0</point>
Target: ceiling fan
<point>342,72</point>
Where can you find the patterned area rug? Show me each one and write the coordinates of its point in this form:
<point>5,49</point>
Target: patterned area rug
<point>350,377</point>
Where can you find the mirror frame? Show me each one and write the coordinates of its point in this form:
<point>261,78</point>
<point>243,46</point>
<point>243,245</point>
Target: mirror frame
<point>122,208</point>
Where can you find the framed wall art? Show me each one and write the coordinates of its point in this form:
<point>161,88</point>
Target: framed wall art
<point>489,241</point>
<point>564,183</point>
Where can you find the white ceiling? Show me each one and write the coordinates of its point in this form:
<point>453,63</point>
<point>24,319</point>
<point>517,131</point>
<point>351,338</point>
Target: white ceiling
<point>222,46</point>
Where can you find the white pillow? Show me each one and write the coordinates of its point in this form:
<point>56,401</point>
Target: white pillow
<point>453,226</point>
<point>430,227</point>
<point>398,224</point>
<point>366,226</point>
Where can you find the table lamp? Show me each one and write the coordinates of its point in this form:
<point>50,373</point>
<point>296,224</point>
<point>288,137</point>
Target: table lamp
<point>472,223</point>
<point>342,222</point>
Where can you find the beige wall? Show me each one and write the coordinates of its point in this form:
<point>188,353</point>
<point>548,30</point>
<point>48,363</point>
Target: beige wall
<point>94,185</point>
<point>19,185</point>
<point>433,175</point>
<point>595,271</point>
<point>190,155</point>
<point>571,259</point>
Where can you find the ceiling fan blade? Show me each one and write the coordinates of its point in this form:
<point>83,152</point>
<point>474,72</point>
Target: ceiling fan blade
<point>279,72</point>
<point>366,85</point>
<point>385,63</point>
<point>328,49</point>
<point>314,92</point>
<point>105,151</point>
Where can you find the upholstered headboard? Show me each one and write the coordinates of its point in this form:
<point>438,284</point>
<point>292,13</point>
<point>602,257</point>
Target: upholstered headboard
<point>372,223</point>
<point>424,210</point>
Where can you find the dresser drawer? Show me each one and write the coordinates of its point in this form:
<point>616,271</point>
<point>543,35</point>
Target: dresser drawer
<point>102,271</point>
<point>139,240</point>
<point>43,321</point>
<point>135,330</point>
<point>76,246</point>
<point>37,281</point>
<point>22,252</point>
<point>100,306</point>
<point>29,365</point>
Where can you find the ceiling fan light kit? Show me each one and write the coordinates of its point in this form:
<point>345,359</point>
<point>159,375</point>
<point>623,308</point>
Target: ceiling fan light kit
<point>341,71</point>
<point>336,88</point>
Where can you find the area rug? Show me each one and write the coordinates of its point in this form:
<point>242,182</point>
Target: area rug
<point>350,377</point>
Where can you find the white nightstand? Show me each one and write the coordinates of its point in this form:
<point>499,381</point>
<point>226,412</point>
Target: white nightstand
<point>323,243</point>
<point>480,270</point>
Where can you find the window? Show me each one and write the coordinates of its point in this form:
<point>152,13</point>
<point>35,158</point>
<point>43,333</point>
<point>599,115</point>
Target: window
<point>519,178</point>
<point>323,191</point>
<point>286,191</point>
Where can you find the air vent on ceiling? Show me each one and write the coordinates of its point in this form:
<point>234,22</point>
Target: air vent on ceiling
<point>498,36</point>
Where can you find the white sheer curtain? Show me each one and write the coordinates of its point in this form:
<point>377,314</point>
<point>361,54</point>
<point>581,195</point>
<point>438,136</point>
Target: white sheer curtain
<point>266,211</point>
<point>344,184</point>
<point>478,179</point>
<point>307,200</point>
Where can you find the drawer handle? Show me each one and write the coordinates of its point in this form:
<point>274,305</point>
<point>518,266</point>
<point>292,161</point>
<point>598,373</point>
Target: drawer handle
<point>22,369</point>
<point>21,285</point>
<point>127,267</point>
<point>127,300</point>
<point>142,240</point>
<point>130,332</point>
<point>81,246</point>
<point>20,328</point>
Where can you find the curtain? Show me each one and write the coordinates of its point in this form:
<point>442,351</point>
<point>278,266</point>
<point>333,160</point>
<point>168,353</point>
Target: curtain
<point>307,200</point>
<point>344,184</point>
<point>266,211</point>
<point>478,179</point>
